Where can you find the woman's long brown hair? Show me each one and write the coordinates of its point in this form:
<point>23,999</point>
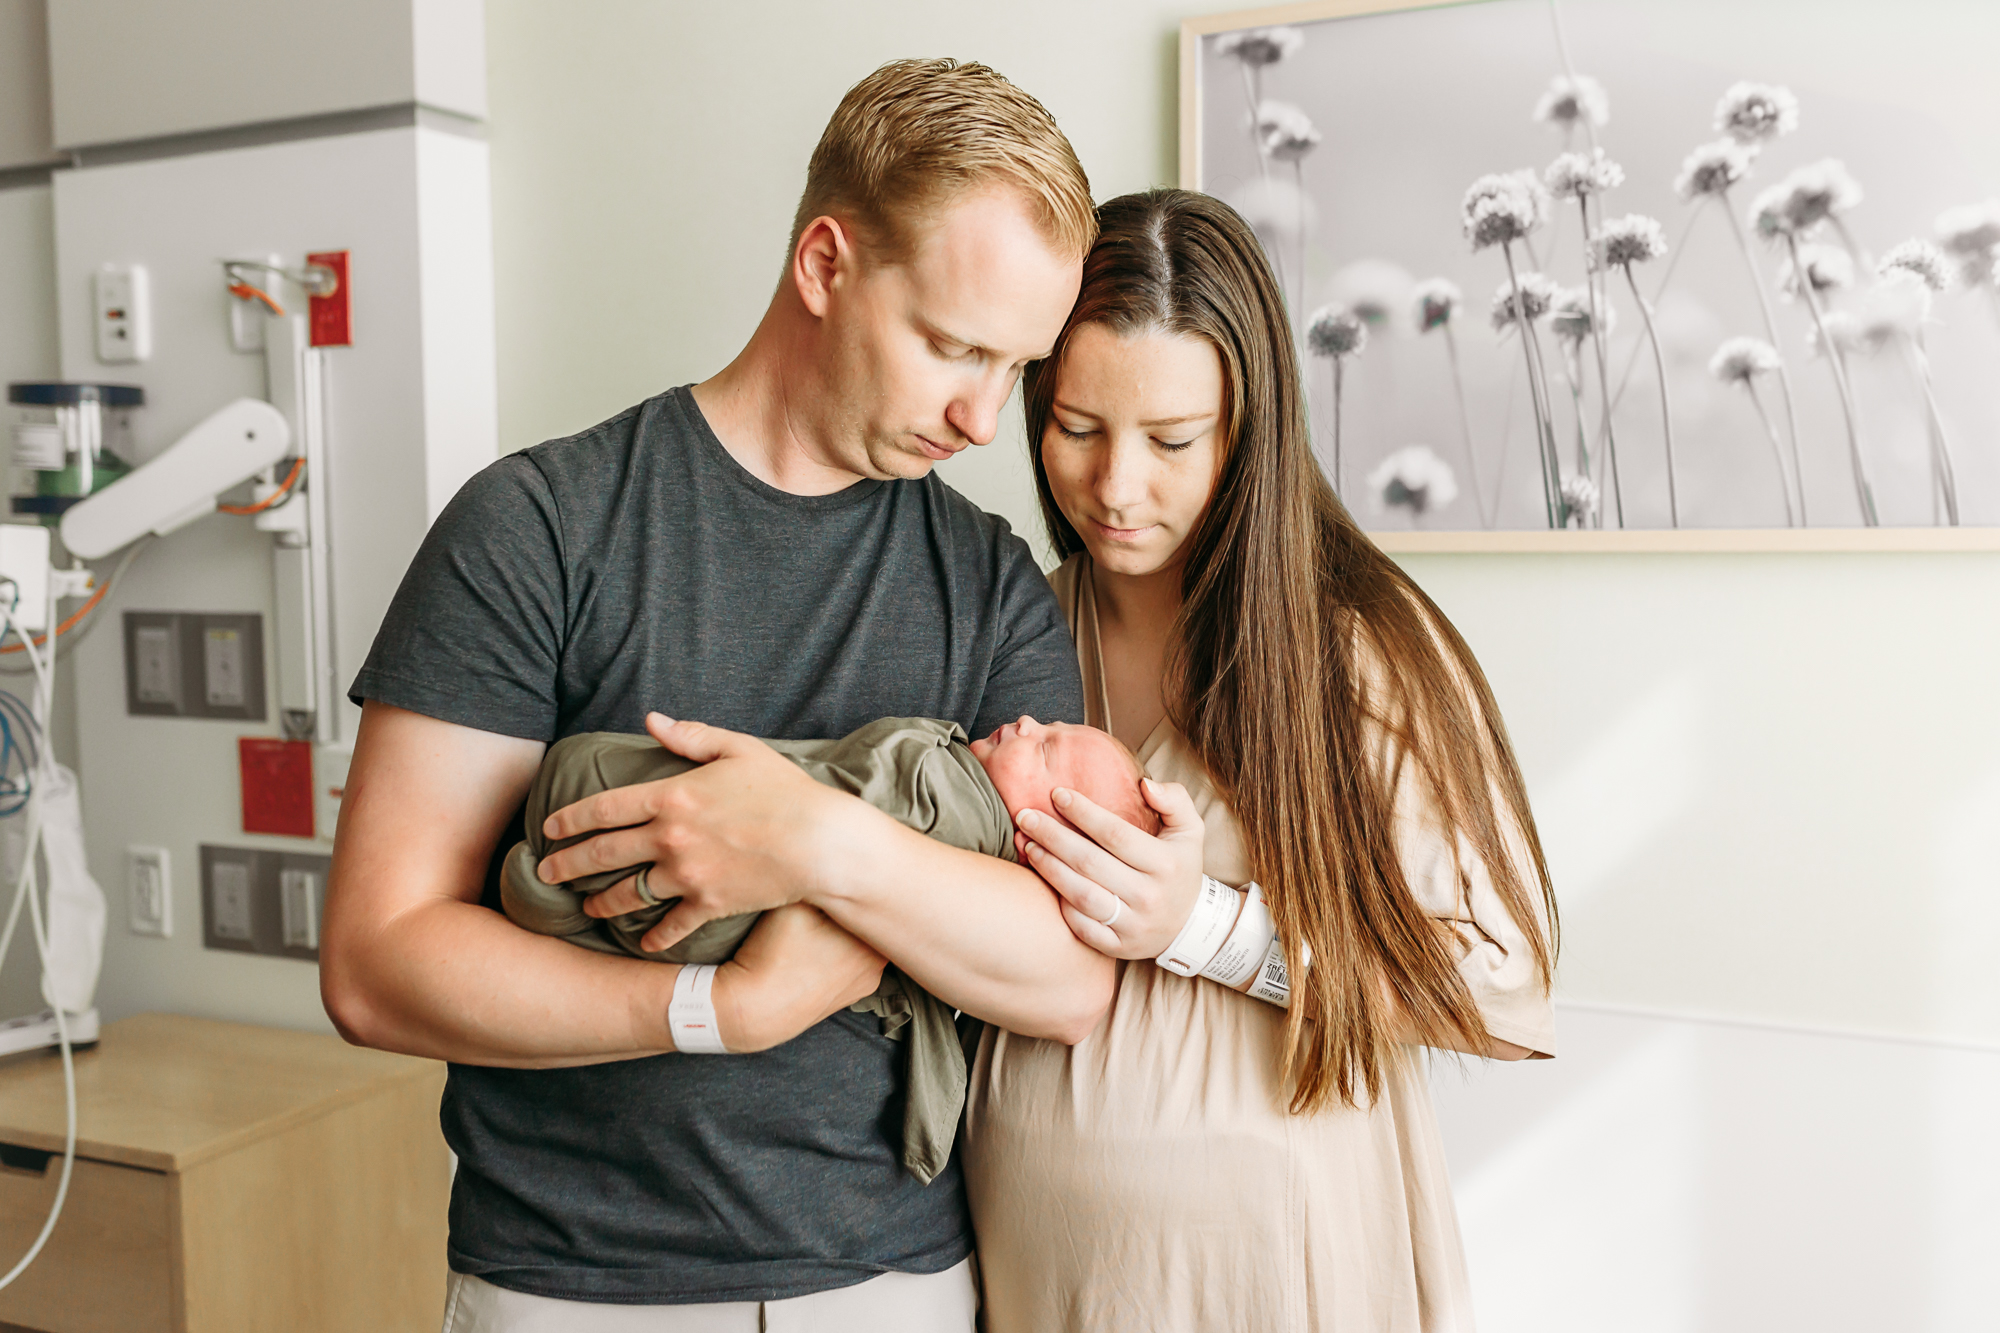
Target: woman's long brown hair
<point>1311,676</point>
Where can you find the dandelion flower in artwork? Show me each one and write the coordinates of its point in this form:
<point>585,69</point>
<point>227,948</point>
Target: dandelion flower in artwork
<point>1921,258</point>
<point>1970,234</point>
<point>1335,331</point>
<point>1502,208</point>
<point>1258,47</point>
<point>1571,315</point>
<point>1623,242</point>
<point>1538,294</point>
<point>1754,112</point>
<point>1570,102</point>
<point>1898,303</point>
<point>1828,269</point>
<point>1435,302</point>
<point>1286,132</point>
<point>1713,168</point>
<point>1579,175</point>
<point>1580,499</point>
<point>1377,290</point>
<point>1413,478</point>
<point>1845,331</point>
<point>1740,360</point>
<point>1800,202</point>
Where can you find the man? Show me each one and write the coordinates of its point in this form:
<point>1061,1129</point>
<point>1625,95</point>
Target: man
<point>767,552</point>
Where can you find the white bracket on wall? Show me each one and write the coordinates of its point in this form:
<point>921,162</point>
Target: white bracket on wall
<point>307,693</point>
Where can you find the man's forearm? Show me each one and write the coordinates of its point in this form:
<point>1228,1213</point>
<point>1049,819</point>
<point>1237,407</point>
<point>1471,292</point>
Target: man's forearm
<point>454,981</point>
<point>981,934</point>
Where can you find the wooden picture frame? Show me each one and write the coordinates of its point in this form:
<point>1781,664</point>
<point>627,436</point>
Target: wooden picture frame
<point>1605,539</point>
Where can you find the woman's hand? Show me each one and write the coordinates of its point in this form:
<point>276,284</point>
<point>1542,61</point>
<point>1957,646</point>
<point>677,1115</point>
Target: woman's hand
<point>794,969</point>
<point>741,833</point>
<point>1143,886</point>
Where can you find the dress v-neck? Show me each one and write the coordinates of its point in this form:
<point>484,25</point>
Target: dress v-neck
<point>1090,660</point>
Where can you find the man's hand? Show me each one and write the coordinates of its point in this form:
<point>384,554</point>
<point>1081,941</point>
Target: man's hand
<point>795,968</point>
<point>735,835</point>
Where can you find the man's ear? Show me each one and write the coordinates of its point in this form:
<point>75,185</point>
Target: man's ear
<point>824,251</point>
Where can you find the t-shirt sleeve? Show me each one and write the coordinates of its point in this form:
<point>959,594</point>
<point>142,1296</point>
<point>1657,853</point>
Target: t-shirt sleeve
<point>474,634</point>
<point>1034,662</point>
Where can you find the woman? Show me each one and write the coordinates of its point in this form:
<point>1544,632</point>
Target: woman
<point>1207,1160</point>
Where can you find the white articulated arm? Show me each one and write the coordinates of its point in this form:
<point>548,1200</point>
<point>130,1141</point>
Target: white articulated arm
<point>179,485</point>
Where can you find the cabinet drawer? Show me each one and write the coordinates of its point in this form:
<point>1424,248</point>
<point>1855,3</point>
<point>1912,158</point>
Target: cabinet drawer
<point>108,1266</point>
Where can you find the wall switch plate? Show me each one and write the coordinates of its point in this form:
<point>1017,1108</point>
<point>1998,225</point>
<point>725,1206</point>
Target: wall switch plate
<point>258,901</point>
<point>122,313</point>
<point>230,914</point>
<point>194,664</point>
<point>298,908</point>
<point>149,880</point>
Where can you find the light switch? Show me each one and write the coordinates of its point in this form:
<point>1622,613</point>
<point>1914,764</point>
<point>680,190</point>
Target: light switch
<point>156,664</point>
<point>230,887</point>
<point>150,880</point>
<point>298,902</point>
<point>222,663</point>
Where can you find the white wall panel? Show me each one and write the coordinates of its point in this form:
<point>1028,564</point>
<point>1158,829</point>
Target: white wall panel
<point>25,135</point>
<point>1665,1176</point>
<point>174,781</point>
<point>138,69</point>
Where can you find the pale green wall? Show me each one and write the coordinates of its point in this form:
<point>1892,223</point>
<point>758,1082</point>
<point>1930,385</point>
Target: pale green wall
<point>1770,786</point>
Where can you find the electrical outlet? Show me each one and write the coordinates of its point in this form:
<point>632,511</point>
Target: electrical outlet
<point>194,664</point>
<point>298,908</point>
<point>150,880</point>
<point>257,901</point>
<point>229,901</point>
<point>123,313</point>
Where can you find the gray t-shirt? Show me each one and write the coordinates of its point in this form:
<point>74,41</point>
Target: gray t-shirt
<point>637,566</point>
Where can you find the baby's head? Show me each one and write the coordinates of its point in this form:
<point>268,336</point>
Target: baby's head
<point>1028,759</point>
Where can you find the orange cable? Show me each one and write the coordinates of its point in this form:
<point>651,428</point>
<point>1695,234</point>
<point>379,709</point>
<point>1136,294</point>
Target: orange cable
<point>243,291</point>
<point>274,498</point>
<point>65,627</point>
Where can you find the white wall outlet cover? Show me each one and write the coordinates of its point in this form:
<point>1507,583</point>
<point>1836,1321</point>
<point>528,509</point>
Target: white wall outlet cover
<point>122,313</point>
<point>24,558</point>
<point>298,905</point>
<point>231,888</point>
<point>149,876</point>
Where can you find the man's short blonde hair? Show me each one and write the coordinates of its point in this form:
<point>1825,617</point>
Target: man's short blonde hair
<point>915,134</point>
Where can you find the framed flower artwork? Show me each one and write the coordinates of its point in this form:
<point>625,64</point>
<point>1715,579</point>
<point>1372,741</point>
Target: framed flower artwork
<point>1627,274</point>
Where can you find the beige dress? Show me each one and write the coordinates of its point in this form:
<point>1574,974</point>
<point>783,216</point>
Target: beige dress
<point>1150,1177</point>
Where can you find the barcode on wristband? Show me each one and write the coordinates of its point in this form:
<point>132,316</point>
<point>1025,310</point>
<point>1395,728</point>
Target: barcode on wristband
<point>1275,974</point>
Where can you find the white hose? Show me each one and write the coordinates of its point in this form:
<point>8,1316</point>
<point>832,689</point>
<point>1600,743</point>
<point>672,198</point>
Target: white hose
<point>26,887</point>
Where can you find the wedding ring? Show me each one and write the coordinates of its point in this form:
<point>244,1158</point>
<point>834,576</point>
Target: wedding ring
<point>639,887</point>
<point>1116,912</point>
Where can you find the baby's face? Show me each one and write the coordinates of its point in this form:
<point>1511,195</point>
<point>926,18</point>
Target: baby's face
<point>1028,759</point>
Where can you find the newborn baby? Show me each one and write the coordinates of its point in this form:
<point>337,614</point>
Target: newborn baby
<point>919,771</point>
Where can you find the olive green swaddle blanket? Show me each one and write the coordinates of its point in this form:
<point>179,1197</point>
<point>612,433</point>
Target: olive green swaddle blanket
<point>918,771</point>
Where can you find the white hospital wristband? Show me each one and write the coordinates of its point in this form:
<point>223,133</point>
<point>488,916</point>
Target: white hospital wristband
<point>691,1013</point>
<point>1243,953</point>
<point>1273,984</point>
<point>1206,929</point>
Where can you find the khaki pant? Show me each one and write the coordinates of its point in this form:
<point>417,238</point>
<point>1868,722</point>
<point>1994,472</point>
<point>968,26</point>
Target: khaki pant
<point>946,1302</point>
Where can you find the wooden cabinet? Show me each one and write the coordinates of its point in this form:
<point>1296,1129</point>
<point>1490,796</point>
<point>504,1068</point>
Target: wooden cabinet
<point>229,1179</point>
